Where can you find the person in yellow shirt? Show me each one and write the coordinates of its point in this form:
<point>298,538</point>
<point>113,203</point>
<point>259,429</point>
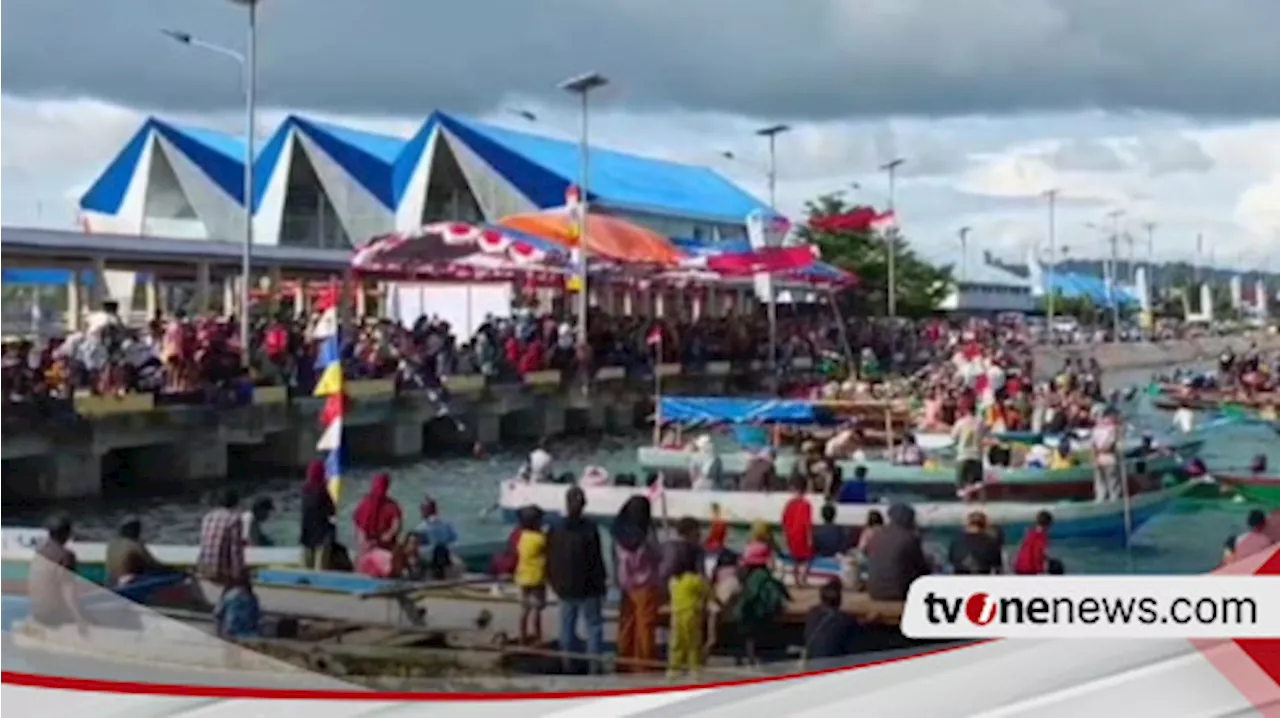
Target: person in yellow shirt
<point>1062,458</point>
<point>531,575</point>
<point>689,593</point>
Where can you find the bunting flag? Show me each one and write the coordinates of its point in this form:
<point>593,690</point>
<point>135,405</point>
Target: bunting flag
<point>331,386</point>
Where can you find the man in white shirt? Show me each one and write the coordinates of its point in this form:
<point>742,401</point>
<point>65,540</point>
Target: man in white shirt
<point>967,436</point>
<point>1184,419</point>
<point>1106,464</point>
<point>540,465</point>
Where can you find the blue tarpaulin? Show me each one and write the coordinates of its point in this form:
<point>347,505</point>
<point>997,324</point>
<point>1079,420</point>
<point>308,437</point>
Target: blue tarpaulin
<point>710,410</point>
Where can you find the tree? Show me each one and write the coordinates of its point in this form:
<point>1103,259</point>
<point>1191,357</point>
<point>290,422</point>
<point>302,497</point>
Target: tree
<point>921,286</point>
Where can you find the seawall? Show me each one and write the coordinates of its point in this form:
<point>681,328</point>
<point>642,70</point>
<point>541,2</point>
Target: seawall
<point>1149,355</point>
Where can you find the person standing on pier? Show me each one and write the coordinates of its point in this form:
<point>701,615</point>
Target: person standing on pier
<point>221,557</point>
<point>317,518</point>
<point>576,572</point>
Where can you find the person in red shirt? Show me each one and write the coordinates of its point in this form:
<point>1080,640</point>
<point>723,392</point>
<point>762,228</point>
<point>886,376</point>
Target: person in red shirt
<point>797,526</point>
<point>717,536</point>
<point>1033,554</point>
<point>531,358</point>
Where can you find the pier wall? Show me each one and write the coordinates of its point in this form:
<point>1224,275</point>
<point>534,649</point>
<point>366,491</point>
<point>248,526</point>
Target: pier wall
<point>167,447</point>
<point>1149,355</point>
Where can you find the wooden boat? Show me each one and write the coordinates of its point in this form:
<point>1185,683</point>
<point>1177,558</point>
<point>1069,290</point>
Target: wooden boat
<point>1259,488</point>
<point>19,546</point>
<point>1071,518</point>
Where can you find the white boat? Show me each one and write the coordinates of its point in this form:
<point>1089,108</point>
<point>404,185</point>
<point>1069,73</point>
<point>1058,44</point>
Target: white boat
<point>18,545</point>
<point>1071,518</point>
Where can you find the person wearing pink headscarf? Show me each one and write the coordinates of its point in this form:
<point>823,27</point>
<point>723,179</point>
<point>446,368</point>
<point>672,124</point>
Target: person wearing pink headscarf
<point>377,521</point>
<point>317,518</point>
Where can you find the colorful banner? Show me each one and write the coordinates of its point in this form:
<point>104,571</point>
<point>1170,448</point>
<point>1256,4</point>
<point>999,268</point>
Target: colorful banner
<point>331,386</point>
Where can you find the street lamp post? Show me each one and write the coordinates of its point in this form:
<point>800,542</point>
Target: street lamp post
<point>964,253</point>
<point>891,242</point>
<point>771,133</point>
<point>1114,216</point>
<point>248,66</point>
<point>1051,289</point>
<point>582,85</point>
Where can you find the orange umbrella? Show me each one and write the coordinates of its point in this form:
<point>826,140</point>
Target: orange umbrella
<point>607,237</point>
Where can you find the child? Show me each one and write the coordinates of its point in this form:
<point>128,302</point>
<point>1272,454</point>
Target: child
<point>875,520</point>
<point>762,600</point>
<point>716,535</point>
<point>238,613</point>
<point>531,575</point>
<point>689,593</point>
<point>797,526</point>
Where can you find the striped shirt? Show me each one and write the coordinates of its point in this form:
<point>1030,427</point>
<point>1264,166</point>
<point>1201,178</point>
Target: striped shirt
<point>221,555</point>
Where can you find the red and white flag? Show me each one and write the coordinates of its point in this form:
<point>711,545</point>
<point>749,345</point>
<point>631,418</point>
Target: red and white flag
<point>884,221</point>
<point>655,337</point>
<point>655,489</point>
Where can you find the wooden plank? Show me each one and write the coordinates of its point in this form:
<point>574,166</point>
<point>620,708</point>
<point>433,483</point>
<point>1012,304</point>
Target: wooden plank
<point>270,395</point>
<point>90,406</point>
<point>371,389</point>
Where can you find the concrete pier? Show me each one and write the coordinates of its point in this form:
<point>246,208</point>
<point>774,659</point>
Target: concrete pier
<point>170,447</point>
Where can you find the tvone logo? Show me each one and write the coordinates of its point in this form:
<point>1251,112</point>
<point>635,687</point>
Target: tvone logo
<point>980,609</point>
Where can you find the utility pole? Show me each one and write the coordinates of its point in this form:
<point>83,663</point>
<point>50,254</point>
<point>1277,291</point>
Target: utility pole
<point>964,254</point>
<point>772,307</point>
<point>1051,284</point>
<point>1115,266</point>
<point>891,241</point>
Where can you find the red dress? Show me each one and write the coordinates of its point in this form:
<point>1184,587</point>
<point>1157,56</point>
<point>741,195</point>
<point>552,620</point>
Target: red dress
<point>797,526</point>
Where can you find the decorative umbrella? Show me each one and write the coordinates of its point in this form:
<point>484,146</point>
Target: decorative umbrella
<point>457,250</point>
<point>608,237</point>
<point>769,260</point>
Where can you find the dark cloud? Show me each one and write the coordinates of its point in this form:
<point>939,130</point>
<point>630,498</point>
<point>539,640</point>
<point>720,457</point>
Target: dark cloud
<point>1081,155</point>
<point>815,59</point>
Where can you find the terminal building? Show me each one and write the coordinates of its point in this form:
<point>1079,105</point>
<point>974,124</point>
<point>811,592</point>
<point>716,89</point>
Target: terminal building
<point>319,185</point>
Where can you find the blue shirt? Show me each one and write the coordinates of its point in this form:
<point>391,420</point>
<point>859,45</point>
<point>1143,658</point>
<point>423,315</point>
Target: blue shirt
<point>237,613</point>
<point>436,533</point>
<point>852,492</point>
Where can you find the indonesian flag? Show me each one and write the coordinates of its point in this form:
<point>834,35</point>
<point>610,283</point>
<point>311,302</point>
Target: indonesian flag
<point>860,219</point>
<point>656,489</point>
<point>655,337</point>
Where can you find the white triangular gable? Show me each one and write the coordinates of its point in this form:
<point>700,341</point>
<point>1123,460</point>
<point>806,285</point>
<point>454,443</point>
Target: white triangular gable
<point>269,219</point>
<point>217,210</point>
<point>414,199</point>
<point>496,196</point>
<point>361,214</point>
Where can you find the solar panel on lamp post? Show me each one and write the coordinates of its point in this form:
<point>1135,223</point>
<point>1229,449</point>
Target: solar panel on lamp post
<point>582,85</point>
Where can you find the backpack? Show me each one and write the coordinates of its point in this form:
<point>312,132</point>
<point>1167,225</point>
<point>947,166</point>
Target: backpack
<point>763,598</point>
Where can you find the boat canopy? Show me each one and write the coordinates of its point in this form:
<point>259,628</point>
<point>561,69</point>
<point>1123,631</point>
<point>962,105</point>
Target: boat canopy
<point>715,410</point>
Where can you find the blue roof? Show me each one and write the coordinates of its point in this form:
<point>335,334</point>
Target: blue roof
<point>712,410</point>
<point>542,168</point>
<point>1073,285</point>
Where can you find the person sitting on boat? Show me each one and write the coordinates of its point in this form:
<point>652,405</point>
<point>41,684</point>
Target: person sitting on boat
<point>1039,456</point>
<point>1259,464</point>
<point>855,490</point>
<point>238,614</point>
<point>1062,458</point>
<point>52,586</point>
<point>1255,540</point>
<point>436,538</point>
<point>127,556</point>
<point>760,474</point>
<point>976,550</point>
<point>540,470</point>
<point>908,452</point>
<point>1033,554</point>
<point>829,538</point>
<point>706,470</point>
<point>895,557</point>
<point>1184,418</point>
<point>254,518</point>
<point>377,520</point>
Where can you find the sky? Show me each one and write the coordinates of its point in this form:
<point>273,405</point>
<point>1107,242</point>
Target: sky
<point>1168,112</point>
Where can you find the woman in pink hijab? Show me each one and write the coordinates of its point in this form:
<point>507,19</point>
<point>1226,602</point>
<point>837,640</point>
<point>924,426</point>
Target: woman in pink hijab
<point>378,521</point>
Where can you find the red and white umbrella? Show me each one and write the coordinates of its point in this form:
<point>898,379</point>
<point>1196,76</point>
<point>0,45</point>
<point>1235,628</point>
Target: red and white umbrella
<point>458,250</point>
